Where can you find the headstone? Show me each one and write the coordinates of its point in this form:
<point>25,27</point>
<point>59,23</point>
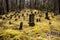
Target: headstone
<point>18,16</point>
<point>49,22</point>
<point>3,18</point>
<point>10,17</point>
<point>21,25</point>
<point>37,20</point>
<point>16,19</point>
<point>22,15</point>
<point>10,23</point>
<point>31,19</point>
<point>47,17</point>
<point>35,13</point>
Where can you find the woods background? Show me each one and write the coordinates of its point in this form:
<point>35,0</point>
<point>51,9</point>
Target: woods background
<point>14,5</point>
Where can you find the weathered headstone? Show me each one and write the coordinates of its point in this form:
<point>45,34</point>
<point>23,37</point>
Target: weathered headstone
<point>31,19</point>
<point>21,25</point>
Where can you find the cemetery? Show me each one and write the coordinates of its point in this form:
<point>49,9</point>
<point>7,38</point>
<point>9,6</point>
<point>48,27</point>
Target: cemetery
<point>29,20</point>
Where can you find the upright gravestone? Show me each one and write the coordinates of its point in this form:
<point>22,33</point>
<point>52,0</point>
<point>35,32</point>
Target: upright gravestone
<point>21,25</point>
<point>37,20</point>
<point>31,19</point>
<point>47,17</point>
<point>16,19</point>
<point>22,15</point>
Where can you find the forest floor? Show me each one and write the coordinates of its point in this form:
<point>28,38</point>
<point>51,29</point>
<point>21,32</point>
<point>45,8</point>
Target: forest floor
<point>43,29</point>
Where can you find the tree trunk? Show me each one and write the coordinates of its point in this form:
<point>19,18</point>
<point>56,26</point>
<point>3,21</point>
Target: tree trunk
<point>7,6</point>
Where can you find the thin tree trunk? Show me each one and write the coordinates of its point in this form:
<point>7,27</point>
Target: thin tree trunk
<point>7,6</point>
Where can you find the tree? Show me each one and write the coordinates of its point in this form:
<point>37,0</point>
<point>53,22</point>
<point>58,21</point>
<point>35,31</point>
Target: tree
<point>7,5</point>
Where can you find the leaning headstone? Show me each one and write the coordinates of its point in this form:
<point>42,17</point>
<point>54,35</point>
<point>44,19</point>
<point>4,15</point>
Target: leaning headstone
<point>21,25</point>
<point>31,19</point>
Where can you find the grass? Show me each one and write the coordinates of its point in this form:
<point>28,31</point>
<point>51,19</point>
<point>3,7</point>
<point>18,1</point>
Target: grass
<point>40,31</point>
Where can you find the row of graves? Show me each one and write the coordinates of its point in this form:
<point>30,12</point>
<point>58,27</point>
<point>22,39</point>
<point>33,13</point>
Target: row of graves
<point>26,18</point>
